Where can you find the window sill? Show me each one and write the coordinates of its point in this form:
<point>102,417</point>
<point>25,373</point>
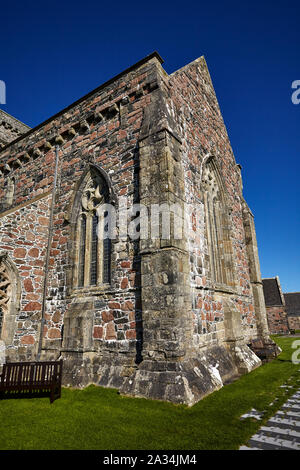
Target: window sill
<point>218,288</point>
<point>102,288</point>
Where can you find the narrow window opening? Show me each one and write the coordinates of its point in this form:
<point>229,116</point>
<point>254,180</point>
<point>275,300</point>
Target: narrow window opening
<point>216,228</point>
<point>94,252</point>
<point>82,252</point>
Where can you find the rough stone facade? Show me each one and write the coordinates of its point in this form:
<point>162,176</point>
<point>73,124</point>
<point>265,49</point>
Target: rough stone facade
<point>10,128</point>
<point>292,303</point>
<point>275,306</point>
<point>166,318</point>
<point>294,322</point>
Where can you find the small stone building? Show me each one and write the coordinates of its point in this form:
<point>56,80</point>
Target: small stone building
<point>275,306</point>
<point>167,317</point>
<point>292,305</point>
<point>10,128</point>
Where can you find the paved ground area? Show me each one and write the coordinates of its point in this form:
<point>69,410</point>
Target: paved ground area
<point>282,431</point>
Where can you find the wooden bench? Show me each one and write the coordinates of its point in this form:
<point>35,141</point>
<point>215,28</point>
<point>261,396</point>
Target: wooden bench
<point>31,377</point>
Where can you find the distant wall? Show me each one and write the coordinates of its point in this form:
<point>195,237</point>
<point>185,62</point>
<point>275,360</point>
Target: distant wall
<point>10,128</point>
<point>277,319</point>
<point>294,323</point>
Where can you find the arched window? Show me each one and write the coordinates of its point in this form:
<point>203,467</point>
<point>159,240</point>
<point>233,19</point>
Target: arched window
<point>92,262</point>
<point>5,294</point>
<point>10,294</point>
<point>217,227</point>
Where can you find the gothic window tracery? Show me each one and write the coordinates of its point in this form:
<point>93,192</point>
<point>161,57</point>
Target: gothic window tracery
<point>93,249</point>
<point>217,228</point>
<point>5,293</point>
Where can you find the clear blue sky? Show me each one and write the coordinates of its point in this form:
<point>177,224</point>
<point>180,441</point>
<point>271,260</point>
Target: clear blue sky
<point>52,53</point>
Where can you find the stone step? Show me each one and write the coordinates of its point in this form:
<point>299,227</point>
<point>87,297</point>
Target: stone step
<point>282,431</point>
<point>265,442</point>
<point>277,432</point>
<point>291,407</point>
<point>289,414</point>
<point>284,423</point>
<point>293,402</point>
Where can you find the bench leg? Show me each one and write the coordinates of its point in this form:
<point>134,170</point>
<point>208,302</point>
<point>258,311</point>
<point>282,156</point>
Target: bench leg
<point>52,395</point>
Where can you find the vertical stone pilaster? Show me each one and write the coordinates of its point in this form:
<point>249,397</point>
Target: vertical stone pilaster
<point>165,281</point>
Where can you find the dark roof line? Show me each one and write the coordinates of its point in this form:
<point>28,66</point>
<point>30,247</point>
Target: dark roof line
<point>271,291</point>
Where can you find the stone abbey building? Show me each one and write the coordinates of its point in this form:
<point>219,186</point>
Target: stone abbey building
<point>283,309</point>
<point>170,318</point>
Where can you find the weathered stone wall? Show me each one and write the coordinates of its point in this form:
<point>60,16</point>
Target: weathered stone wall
<point>277,319</point>
<point>162,327</point>
<point>101,130</point>
<point>198,319</point>
<point>10,128</point>
<point>293,322</point>
<point>23,235</point>
<point>201,127</point>
<point>277,311</point>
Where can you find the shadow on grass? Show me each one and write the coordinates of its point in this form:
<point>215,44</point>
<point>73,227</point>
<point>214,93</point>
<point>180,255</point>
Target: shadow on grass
<point>12,395</point>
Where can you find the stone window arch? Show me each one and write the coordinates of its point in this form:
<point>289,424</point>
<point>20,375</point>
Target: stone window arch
<point>92,252</point>
<point>217,221</point>
<point>10,294</point>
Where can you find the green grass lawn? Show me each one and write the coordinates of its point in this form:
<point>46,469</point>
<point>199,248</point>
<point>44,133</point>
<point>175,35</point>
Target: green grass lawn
<point>98,418</point>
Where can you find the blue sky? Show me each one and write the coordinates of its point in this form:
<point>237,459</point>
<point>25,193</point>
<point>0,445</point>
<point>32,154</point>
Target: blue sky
<point>52,53</point>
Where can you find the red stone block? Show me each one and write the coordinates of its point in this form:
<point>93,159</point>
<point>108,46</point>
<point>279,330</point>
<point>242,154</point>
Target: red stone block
<point>54,333</point>
<point>98,332</point>
<point>43,221</point>
<point>130,334</point>
<point>126,264</point>
<point>27,339</point>
<point>33,306</point>
<point>107,316</point>
<point>114,305</point>
<point>127,305</point>
<point>110,331</point>
<point>34,252</point>
<point>124,283</point>
<point>19,253</point>
<point>32,296</point>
